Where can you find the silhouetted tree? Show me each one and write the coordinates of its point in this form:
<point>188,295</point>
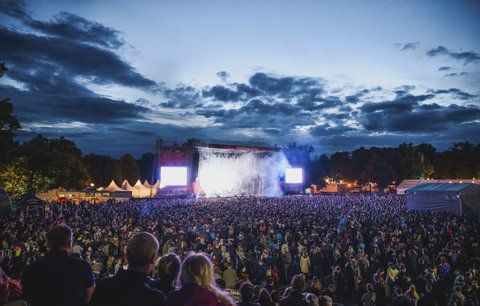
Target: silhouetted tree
<point>9,125</point>
<point>128,168</point>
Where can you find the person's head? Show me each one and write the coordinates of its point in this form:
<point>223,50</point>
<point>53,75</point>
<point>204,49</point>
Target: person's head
<point>142,251</point>
<point>298,283</point>
<point>325,300</point>
<point>256,290</point>
<point>246,292</point>
<point>311,299</point>
<point>275,295</point>
<point>169,267</point>
<point>59,238</point>
<point>197,269</point>
<point>264,295</point>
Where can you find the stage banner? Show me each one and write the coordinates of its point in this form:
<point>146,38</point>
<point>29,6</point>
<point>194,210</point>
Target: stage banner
<point>172,156</point>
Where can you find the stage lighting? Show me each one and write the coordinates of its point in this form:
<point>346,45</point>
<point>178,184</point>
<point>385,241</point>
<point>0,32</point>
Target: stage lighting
<point>173,176</point>
<point>294,175</point>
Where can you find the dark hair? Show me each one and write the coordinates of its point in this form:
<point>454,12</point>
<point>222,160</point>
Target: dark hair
<point>246,292</point>
<point>298,283</point>
<point>60,236</point>
<point>169,267</point>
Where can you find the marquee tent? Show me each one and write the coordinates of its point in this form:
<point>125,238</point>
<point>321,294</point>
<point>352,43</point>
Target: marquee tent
<point>113,187</point>
<point>146,184</point>
<point>406,184</point>
<point>458,198</point>
<point>141,191</point>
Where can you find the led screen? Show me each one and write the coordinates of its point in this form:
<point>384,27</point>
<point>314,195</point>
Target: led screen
<point>294,175</point>
<point>174,176</point>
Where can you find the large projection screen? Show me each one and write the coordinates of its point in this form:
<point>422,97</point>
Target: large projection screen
<point>294,175</point>
<point>173,176</point>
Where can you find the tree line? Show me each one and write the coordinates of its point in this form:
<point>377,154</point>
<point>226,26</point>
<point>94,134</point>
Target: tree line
<point>391,165</point>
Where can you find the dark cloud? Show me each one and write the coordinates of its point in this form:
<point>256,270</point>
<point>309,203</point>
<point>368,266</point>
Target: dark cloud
<point>401,104</point>
<point>223,75</point>
<point>409,46</point>
<point>406,114</point>
<point>182,97</point>
<point>444,68</point>
<point>460,94</point>
<point>14,8</point>
<point>455,74</point>
<point>27,51</point>
<point>76,28</point>
<point>328,130</point>
<point>467,57</point>
<point>222,93</point>
<point>33,106</point>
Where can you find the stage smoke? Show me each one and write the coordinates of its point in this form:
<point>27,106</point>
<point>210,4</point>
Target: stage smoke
<point>228,174</point>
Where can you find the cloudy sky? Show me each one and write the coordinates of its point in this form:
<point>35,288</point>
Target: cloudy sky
<point>112,75</point>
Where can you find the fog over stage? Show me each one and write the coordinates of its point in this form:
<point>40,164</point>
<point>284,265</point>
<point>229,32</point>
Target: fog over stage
<point>223,174</point>
<point>223,170</point>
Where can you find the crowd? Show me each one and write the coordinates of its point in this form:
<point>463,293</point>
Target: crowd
<point>293,250</point>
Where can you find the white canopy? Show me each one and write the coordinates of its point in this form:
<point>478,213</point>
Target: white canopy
<point>113,187</point>
<point>147,185</point>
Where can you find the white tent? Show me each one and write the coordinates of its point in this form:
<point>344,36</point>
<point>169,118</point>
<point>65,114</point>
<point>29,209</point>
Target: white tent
<point>142,191</point>
<point>113,187</point>
<point>407,184</point>
<point>147,185</point>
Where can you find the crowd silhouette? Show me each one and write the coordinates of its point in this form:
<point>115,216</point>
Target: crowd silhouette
<point>364,249</point>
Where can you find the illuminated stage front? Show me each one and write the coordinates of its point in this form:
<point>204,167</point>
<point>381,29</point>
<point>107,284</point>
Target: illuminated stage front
<point>222,170</point>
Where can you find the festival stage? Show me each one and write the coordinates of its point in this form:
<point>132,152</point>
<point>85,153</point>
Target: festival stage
<point>210,170</point>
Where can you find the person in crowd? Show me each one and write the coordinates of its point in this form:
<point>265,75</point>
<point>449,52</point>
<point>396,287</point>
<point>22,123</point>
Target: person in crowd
<point>58,278</point>
<point>311,299</point>
<point>296,297</point>
<point>264,298</point>
<point>198,285</point>
<point>129,287</point>
<point>369,298</point>
<point>275,295</point>
<point>305,263</point>
<point>325,300</point>
<point>10,289</point>
<point>246,294</point>
<point>264,238</point>
<point>230,277</point>
<point>168,271</point>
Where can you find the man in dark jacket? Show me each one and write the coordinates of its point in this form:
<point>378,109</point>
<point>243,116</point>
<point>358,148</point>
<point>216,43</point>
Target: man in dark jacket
<point>58,278</point>
<point>296,298</point>
<point>129,287</point>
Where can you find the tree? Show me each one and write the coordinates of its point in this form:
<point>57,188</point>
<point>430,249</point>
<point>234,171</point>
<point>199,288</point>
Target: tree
<point>128,168</point>
<point>9,125</point>
<point>377,170</point>
<point>145,165</point>
<point>18,180</point>
<point>101,169</point>
<point>54,159</point>
<point>341,166</point>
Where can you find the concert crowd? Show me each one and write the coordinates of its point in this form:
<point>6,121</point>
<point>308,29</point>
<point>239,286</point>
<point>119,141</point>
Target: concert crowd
<point>354,249</point>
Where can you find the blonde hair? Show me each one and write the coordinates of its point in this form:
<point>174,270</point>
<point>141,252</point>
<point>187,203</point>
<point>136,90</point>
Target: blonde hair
<point>198,269</point>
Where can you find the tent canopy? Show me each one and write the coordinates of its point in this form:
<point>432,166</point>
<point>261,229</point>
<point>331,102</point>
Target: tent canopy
<point>440,187</point>
<point>458,198</point>
<point>113,187</point>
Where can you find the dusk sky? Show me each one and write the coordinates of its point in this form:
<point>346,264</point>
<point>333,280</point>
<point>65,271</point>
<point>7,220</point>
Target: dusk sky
<point>114,75</point>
